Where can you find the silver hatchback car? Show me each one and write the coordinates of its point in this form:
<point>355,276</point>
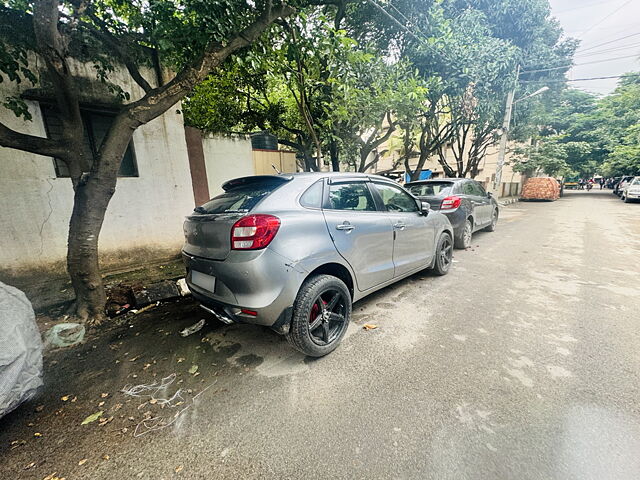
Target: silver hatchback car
<point>293,252</point>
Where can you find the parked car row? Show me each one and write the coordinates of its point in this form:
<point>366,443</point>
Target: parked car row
<point>628,189</point>
<point>293,252</point>
<point>465,202</point>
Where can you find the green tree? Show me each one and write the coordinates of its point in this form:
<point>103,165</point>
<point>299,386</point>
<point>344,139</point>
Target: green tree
<point>548,156</point>
<point>193,37</point>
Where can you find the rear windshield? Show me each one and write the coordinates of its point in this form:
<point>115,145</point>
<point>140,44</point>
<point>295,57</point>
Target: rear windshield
<point>431,189</point>
<point>240,199</point>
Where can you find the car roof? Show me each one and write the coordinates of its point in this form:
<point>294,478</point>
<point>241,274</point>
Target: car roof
<point>437,180</point>
<point>336,174</point>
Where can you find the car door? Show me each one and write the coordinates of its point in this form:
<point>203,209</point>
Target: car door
<point>413,237</point>
<point>484,202</point>
<point>362,235</point>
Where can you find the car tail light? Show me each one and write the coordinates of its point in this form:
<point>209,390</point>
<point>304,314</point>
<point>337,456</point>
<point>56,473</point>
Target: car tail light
<point>254,232</point>
<point>450,203</point>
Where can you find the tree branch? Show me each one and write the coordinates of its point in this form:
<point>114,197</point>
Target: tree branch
<point>30,143</point>
<point>114,43</point>
<point>160,99</point>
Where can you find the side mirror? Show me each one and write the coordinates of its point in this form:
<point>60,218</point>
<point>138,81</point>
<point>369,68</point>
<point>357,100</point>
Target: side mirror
<point>425,207</point>
<point>489,194</point>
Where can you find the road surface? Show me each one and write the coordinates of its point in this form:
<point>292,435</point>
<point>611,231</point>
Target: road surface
<point>522,363</point>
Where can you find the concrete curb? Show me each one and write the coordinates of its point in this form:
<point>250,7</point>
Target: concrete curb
<point>508,201</point>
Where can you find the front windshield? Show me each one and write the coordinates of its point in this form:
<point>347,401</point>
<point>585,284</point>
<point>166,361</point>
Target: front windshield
<point>431,189</point>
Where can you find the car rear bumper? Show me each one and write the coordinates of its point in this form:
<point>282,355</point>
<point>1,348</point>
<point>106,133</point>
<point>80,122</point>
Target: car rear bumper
<point>457,218</point>
<point>259,281</point>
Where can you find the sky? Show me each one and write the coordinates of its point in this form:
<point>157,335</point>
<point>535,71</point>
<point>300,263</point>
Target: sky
<point>595,22</point>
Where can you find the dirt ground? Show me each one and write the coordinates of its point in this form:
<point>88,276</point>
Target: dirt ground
<point>46,436</point>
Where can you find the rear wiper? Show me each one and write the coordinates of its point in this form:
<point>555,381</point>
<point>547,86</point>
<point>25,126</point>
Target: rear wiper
<point>199,210</point>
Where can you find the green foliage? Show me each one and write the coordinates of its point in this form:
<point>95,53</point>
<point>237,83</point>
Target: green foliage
<point>549,156</point>
<point>335,77</point>
<point>609,125</point>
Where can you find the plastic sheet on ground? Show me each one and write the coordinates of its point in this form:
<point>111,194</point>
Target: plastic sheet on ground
<point>20,349</point>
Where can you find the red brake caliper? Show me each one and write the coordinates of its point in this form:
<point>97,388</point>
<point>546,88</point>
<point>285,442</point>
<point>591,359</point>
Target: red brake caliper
<point>315,311</point>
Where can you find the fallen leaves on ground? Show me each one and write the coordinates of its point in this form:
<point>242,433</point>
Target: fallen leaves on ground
<point>83,461</point>
<point>105,420</point>
<point>53,476</point>
<point>179,468</point>
<point>31,465</point>
<point>369,326</point>
<point>92,417</point>
<point>65,398</point>
<point>37,434</point>
<point>193,369</point>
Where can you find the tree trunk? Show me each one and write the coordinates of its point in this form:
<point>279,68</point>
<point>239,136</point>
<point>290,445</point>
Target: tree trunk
<point>90,204</point>
<point>335,159</point>
<point>92,196</point>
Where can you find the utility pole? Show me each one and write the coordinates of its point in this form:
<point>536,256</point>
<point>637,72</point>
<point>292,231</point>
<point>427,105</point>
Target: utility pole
<point>502,151</point>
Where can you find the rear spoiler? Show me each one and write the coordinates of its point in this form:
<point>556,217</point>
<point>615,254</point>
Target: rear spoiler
<point>236,182</point>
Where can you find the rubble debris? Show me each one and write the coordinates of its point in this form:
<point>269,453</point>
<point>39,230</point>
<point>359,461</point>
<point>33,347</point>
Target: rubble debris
<point>148,307</point>
<point>183,290</point>
<point>157,291</point>
<point>196,327</point>
<point>64,335</point>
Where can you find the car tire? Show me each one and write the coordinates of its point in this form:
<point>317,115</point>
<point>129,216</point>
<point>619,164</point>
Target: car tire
<point>494,222</point>
<point>317,326</point>
<point>463,240</point>
<point>444,255</point>
<point>626,199</point>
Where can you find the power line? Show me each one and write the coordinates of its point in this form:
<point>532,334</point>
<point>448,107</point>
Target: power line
<point>608,50</point>
<point>409,22</point>
<point>582,34</point>
<point>628,75</point>
<point>580,7</point>
<point>394,19</point>
<point>579,64</point>
<point>610,41</point>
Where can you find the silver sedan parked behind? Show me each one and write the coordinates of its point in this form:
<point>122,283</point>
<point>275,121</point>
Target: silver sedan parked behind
<point>631,191</point>
<point>294,251</point>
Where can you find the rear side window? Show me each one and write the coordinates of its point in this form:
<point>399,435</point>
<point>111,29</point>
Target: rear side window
<point>431,189</point>
<point>478,189</point>
<point>351,196</point>
<point>239,199</point>
<point>468,189</point>
<point>312,198</point>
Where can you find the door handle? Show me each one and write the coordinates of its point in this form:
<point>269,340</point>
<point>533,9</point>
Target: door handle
<point>399,226</point>
<point>345,226</point>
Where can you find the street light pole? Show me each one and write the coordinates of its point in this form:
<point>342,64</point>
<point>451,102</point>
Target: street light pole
<point>502,151</point>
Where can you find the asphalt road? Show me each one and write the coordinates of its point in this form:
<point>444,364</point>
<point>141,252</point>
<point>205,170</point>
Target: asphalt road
<point>522,363</point>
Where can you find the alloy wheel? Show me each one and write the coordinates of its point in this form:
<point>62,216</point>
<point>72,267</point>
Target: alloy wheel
<point>446,252</point>
<point>467,233</point>
<point>327,316</point>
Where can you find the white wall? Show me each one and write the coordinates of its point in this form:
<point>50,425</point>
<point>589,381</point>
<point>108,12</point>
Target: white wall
<point>145,214</point>
<point>226,157</point>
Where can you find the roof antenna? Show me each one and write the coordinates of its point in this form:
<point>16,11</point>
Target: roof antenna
<point>276,169</point>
